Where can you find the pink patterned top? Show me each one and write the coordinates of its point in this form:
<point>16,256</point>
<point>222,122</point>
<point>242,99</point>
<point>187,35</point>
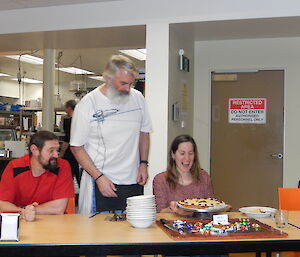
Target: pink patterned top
<point>164,194</point>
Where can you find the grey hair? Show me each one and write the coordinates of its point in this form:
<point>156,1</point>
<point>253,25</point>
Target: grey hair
<point>119,62</point>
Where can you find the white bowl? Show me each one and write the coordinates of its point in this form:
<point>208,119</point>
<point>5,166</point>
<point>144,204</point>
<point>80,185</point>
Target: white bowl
<point>140,223</point>
<point>257,211</point>
<point>141,217</point>
<point>138,208</point>
<point>140,203</point>
<point>141,197</point>
<point>141,209</point>
<point>141,214</point>
<point>153,217</point>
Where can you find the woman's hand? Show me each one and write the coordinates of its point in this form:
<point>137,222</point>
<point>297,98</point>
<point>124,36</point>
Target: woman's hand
<point>179,211</point>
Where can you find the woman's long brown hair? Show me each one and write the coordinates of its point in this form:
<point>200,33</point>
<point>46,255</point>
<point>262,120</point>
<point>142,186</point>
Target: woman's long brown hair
<point>172,172</point>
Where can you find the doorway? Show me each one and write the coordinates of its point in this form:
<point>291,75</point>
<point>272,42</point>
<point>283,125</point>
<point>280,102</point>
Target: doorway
<point>247,137</point>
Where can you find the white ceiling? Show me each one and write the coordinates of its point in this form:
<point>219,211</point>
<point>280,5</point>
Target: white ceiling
<point>21,4</point>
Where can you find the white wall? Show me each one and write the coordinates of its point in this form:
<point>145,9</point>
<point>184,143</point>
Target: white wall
<point>136,12</point>
<point>179,79</point>
<point>250,54</point>
<point>9,88</point>
<point>33,91</point>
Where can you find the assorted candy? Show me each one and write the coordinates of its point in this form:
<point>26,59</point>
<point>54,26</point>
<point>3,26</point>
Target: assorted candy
<point>238,226</point>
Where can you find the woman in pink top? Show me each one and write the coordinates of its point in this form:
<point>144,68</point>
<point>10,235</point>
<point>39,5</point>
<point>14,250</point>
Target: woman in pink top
<point>183,179</point>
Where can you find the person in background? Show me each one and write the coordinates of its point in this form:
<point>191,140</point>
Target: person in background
<point>110,139</point>
<point>65,151</point>
<point>39,182</point>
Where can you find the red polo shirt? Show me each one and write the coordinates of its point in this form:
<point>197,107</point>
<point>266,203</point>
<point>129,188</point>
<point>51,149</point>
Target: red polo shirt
<point>21,188</point>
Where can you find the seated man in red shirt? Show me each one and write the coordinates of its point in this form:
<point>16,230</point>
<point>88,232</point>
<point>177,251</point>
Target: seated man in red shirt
<point>39,182</point>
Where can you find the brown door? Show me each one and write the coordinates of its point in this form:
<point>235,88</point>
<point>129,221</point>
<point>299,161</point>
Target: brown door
<point>247,137</point>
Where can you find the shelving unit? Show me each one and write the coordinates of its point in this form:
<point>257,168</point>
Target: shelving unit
<point>12,118</point>
<point>31,120</point>
<point>33,110</point>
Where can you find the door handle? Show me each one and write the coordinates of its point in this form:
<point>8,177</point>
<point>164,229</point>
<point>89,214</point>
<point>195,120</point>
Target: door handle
<point>278,156</point>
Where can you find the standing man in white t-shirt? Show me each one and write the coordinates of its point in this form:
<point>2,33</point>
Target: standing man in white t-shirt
<point>110,139</point>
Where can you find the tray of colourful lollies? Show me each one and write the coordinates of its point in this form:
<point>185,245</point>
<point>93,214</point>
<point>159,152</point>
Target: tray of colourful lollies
<point>207,227</point>
<point>203,205</point>
<point>241,228</point>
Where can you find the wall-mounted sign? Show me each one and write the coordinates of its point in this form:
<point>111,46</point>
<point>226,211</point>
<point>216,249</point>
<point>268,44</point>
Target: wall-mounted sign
<point>247,110</point>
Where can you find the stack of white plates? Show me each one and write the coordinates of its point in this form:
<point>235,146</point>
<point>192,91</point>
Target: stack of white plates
<point>141,210</point>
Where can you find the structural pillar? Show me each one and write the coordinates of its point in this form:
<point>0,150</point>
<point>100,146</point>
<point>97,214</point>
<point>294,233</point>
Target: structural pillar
<point>156,92</point>
<point>48,89</point>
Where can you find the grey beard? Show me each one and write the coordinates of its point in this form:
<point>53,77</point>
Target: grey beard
<point>115,96</point>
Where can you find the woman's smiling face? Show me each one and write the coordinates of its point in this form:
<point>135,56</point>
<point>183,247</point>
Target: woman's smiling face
<point>184,156</point>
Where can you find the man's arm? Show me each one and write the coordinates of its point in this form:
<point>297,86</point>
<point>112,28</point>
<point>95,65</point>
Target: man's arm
<point>104,184</point>
<point>57,206</point>
<point>144,145</point>
<point>6,206</point>
<point>52,207</point>
<point>28,213</point>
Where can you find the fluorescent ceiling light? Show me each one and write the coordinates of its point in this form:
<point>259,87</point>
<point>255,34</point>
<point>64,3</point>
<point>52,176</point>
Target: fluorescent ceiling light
<point>75,70</point>
<point>139,54</point>
<point>31,81</point>
<point>3,75</point>
<point>97,78</point>
<point>27,58</point>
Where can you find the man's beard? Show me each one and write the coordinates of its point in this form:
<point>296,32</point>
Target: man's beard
<point>51,165</point>
<point>117,97</point>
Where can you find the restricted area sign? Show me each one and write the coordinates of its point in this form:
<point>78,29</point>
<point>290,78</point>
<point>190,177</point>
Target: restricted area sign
<point>247,110</point>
